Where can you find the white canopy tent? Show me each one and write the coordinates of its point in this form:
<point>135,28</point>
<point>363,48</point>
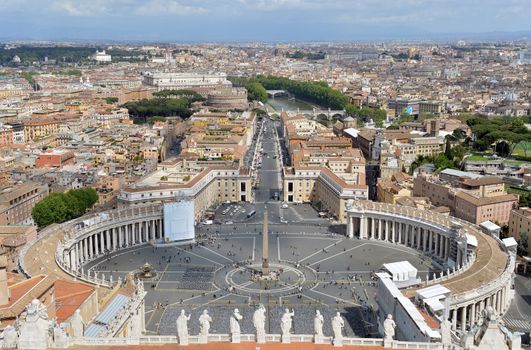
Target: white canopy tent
<point>401,271</point>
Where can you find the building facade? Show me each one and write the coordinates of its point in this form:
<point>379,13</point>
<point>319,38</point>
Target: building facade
<point>17,202</point>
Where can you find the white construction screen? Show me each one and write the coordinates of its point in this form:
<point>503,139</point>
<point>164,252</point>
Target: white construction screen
<point>179,221</point>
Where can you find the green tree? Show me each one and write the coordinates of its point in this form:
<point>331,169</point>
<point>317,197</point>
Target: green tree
<point>111,100</point>
<point>458,152</point>
<point>60,207</point>
<point>256,92</point>
<point>448,149</point>
<point>459,134</point>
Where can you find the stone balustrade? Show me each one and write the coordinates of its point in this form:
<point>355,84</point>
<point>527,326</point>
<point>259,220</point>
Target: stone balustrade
<point>270,338</point>
<point>448,274</point>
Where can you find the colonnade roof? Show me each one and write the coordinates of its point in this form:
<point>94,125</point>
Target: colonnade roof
<point>490,261</point>
<point>489,265</point>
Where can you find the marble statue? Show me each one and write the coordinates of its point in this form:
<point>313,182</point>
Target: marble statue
<point>34,327</point>
<point>235,330</point>
<point>10,337</point>
<point>318,322</point>
<point>259,319</point>
<point>286,323</point>
<point>389,328</point>
<point>489,314</point>
<point>60,339</point>
<point>140,287</point>
<point>76,324</point>
<point>337,326</point>
<point>182,328</point>
<point>204,324</point>
<point>446,333</point>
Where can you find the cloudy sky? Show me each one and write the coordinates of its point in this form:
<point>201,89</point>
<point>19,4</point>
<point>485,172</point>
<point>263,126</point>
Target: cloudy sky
<point>260,20</point>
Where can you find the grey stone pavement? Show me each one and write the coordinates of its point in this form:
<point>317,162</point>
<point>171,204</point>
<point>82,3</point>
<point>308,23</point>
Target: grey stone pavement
<point>185,278</point>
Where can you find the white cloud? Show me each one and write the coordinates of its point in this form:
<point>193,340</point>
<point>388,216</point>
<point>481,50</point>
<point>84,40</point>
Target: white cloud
<point>81,8</point>
<point>168,7</point>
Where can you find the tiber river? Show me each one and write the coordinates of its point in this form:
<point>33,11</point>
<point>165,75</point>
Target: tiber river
<point>290,104</point>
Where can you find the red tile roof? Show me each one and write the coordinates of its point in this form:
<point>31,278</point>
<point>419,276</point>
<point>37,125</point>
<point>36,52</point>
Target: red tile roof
<point>68,298</point>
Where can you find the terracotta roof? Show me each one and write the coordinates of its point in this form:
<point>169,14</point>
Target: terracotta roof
<point>482,181</point>
<point>486,200</point>
<point>22,293</point>
<point>68,298</point>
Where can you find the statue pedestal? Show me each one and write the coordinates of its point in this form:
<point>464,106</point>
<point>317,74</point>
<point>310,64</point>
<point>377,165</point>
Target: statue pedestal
<point>260,339</point>
<point>286,338</point>
<point>203,339</point>
<point>318,339</point>
<point>183,341</point>
<point>235,338</point>
<point>388,343</point>
<point>338,342</point>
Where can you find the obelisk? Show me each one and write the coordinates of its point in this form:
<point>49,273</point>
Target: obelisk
<point>265,246</point>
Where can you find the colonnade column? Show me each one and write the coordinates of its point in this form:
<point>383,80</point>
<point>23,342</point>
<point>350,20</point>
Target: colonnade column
<point>447,248</point>
<point>85,249</point>
<point>78,255</point>
<point>430,241</point>
<point>146,231</point>
<point>108,239</point>
<point>91,247</point>
<point>127,230</point>
<point>472,314</point>
<point>463,318</point>
<point>73,259</point>
<point>114,238</point>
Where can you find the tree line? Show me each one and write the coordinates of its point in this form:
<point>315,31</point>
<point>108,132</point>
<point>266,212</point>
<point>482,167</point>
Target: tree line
<point>71,54</point>
<point>508,130</point>
<point>166,103</point>
<point>60,207</point>
<point>317,92</point>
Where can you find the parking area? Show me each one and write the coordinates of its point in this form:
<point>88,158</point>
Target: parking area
<point>229,213</point>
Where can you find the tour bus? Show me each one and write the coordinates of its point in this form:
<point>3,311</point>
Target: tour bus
<point>251,213</point>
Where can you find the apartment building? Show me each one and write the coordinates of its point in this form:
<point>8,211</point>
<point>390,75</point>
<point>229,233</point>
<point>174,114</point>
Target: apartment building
<point>323,188</point>
<point>400,185</point>
<point>7,136</point>
<point>54,159</point>
<point>206,185</point>
<point>35,129</point>
<point>519,222</point>
<point>479,209</point>
<point>325,170</point>
<point>419,146</point>
<point>17,202</point>
<point>471,197</point>
<point>199,82</point>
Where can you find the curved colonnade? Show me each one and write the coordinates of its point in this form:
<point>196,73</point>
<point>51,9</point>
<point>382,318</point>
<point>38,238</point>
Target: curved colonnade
<point>105,233</point>
<point>477,268</point>
<point>477,277</point>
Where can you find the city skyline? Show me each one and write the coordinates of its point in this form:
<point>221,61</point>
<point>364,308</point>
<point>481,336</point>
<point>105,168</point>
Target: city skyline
<point>275,20</point>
